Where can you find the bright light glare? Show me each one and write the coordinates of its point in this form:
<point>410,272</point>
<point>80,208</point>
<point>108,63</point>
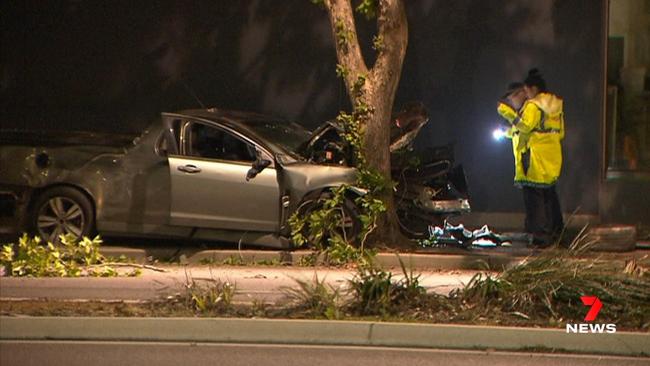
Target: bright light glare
<point>498,134</point>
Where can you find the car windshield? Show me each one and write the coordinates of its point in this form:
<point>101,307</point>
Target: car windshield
<point>287,135</point>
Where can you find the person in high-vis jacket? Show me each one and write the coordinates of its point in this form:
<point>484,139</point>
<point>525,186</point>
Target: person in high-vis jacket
<point>537,129</point>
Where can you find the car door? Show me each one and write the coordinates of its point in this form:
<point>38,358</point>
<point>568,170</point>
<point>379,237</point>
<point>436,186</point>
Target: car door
<point>208,181</point>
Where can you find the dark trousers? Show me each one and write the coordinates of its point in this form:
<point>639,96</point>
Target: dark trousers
<point>543,214</point>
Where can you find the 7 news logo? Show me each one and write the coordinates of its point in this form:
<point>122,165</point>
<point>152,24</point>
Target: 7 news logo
<point>596,305</point>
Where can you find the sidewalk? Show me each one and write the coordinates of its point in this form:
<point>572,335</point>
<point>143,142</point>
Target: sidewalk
<point>252,283</point>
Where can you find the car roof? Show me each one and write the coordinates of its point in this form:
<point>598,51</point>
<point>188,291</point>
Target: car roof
<point>239,118</point>
<point>236,120</point>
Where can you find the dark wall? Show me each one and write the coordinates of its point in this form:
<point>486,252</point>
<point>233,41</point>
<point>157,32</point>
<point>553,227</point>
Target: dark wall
<point>462,55</point>
<point>123,61</point>
<point>114,65</point>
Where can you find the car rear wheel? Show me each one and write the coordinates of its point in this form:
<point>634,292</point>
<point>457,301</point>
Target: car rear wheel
<point>62,211</point>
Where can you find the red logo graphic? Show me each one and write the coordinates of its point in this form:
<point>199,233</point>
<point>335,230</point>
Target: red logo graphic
<point>595,304</point>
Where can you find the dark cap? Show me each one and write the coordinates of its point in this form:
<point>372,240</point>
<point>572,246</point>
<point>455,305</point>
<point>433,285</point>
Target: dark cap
<point>534,78</point>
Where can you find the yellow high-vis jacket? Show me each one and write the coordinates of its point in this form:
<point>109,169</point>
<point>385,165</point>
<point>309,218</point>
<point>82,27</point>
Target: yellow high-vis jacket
<point>536,132</point>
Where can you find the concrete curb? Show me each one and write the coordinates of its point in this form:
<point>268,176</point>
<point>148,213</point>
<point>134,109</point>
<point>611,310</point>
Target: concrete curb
<point>496,261</point>
<point>449,261</point>
<point>316,332</point>
<point>457,259</point>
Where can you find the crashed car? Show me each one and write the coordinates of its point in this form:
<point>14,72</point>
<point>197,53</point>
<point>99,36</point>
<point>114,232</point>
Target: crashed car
<point>430,187</point>
<point>209,174</point>
<point>202,174</point>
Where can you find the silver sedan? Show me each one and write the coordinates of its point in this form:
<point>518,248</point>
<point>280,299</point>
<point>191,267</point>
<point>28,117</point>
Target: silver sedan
<point>209,174</point>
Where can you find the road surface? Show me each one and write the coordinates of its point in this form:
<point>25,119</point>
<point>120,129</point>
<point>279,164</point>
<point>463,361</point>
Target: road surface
<point>26,353</point>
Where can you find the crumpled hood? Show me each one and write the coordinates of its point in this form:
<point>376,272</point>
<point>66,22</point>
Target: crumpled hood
<point>549,103</point>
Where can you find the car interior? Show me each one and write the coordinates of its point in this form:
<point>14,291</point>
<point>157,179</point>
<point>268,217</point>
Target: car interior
<point>213,143</point>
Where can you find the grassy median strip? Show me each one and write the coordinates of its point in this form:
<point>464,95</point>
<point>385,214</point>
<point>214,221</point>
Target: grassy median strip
<point>543,291</point>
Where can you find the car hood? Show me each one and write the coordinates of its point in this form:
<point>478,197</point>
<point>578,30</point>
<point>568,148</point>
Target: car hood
<point>405,126</point>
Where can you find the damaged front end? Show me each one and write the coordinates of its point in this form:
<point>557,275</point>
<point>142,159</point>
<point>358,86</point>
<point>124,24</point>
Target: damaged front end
<point>429,188</point>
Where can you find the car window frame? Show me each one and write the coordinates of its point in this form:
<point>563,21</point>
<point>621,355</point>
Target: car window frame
<point>186,123</point>
<point>167,136</point>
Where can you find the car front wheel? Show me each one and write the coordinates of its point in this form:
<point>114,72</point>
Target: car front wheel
<point>62,211</point>
<point>350,225</point>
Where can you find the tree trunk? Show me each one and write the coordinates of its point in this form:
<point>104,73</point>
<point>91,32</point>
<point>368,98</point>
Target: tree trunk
<point>378,91</point>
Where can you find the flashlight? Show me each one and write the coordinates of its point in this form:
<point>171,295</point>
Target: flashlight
<point>498,134</point>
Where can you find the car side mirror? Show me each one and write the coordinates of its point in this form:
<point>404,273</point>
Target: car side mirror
<point>258,166</point>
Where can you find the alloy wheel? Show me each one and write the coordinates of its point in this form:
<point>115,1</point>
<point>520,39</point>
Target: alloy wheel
<point>60,215</point>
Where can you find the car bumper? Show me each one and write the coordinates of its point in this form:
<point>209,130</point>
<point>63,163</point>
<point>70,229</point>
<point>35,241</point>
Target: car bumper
<point>460,205</point>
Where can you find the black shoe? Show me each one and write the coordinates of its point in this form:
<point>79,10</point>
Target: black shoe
<point>540,241</point>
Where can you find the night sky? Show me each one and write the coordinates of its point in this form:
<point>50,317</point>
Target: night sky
<point>115,65</point>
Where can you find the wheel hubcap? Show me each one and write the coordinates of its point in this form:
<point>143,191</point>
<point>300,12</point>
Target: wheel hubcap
<point>60,216</point>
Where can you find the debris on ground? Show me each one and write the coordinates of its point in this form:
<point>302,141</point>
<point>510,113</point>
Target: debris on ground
<point>450,235</point>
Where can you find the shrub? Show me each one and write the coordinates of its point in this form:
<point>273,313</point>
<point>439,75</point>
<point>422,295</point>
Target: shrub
<point>550,286</point>
<point>70,258</point>
<point>315,298</point>
<point>374,292</point>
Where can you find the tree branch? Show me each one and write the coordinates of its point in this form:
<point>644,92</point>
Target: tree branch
<point>392,27</point>
<point>133,265</point>
<point>348,50</point>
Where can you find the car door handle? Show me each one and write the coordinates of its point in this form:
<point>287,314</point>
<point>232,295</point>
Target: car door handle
<point>189,169</point>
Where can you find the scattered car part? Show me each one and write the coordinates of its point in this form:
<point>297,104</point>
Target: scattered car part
<point>458,235</point>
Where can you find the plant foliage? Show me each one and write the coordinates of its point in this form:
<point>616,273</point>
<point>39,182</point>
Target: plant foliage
<point>315,298</point>
<point>376,292</point>
<point>71,258</point>
<point>210,297</point>
<point>324,225</point>
<point>550,286</point>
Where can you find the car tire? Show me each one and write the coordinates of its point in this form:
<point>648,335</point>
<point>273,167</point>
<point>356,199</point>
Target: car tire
<point>415,225</point>
<point>62,210</point>
<point>350,210</point>
<point>616,238</point>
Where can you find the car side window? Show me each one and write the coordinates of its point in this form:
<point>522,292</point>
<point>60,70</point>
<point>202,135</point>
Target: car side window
<point>213,143</point>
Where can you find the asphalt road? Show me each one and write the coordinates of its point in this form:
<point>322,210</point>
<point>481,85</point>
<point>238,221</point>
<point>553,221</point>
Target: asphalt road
<point>26,353</point>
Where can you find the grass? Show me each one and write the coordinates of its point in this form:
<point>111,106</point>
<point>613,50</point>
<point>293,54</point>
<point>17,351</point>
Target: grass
<point>314,299</point>
<point>544,291</point>
<point>547,289</point>
<point>376,292</point>
<point>206,296</point>
<point>236,260</point>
